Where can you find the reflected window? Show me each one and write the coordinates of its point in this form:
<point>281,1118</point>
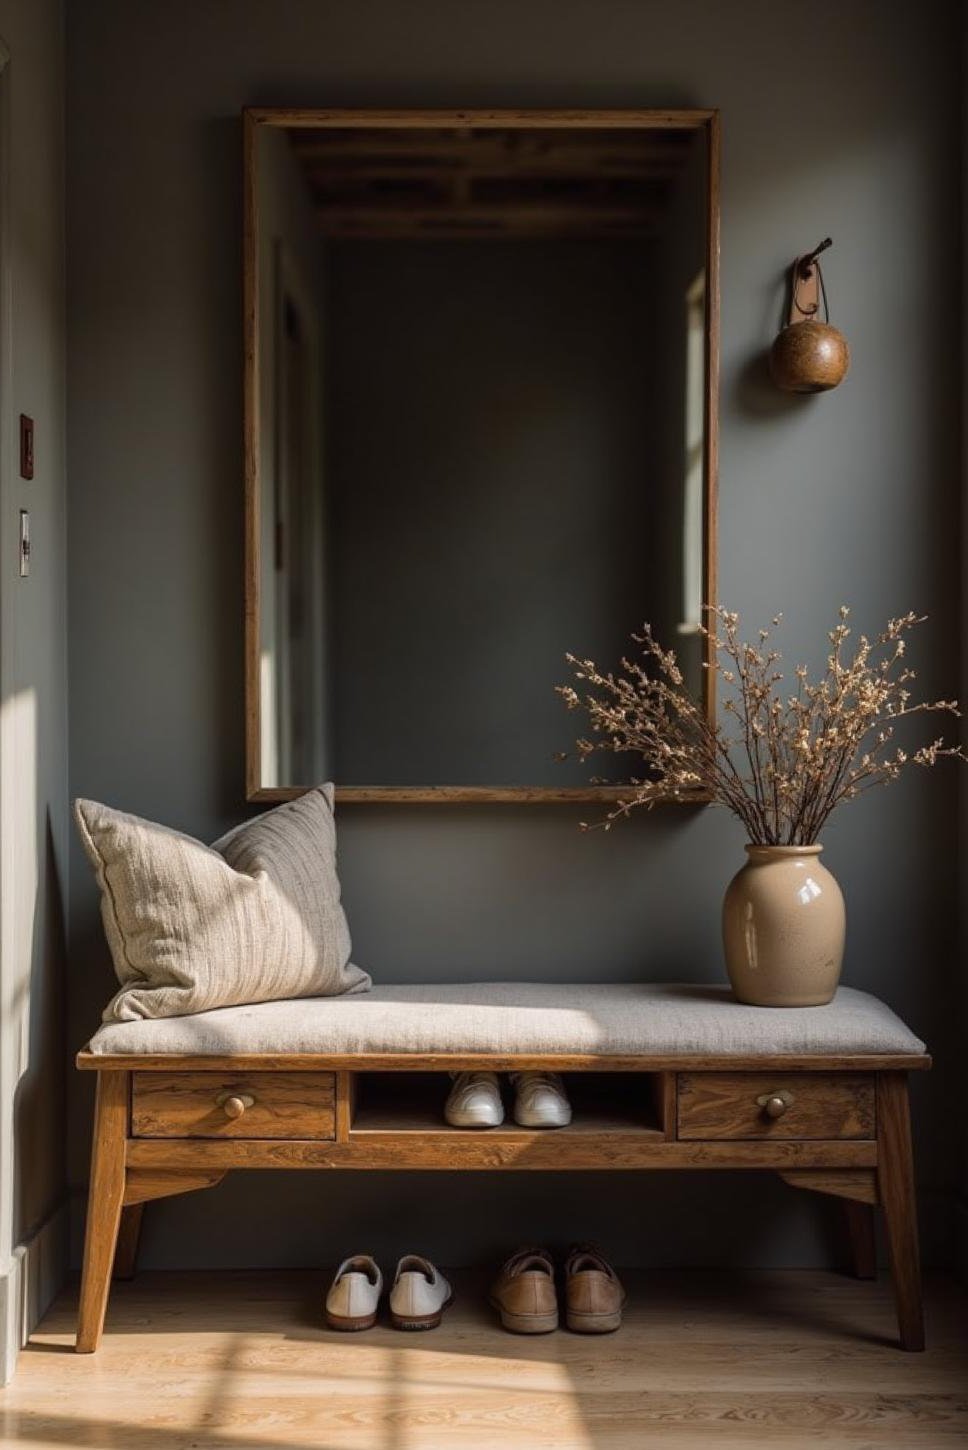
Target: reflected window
<point>692,497</point>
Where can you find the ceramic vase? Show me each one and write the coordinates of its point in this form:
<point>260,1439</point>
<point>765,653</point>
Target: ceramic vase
<point>783,928</point>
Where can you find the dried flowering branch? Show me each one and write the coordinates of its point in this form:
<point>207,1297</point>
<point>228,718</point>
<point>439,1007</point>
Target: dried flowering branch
<point>781,762</point>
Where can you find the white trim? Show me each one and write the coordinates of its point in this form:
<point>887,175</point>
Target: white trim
<point>28,1282</point>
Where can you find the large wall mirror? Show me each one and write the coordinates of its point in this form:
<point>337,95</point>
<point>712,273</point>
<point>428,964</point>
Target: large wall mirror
<point>481,353</point>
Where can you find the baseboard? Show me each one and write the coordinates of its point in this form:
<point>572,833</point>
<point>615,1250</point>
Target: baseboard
<point>28,1282</point>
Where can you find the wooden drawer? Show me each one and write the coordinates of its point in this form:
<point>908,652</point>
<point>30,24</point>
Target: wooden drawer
<point>739,1105</point>
<point>233,1105</point>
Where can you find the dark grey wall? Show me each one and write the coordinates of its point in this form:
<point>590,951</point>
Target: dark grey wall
<point>852,497</point>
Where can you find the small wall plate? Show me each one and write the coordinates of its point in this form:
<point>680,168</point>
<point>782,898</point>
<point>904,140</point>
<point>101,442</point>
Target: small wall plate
<point>26,446</point>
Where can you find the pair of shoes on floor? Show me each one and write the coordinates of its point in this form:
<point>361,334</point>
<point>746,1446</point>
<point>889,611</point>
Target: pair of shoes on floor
<point>524,1293</point>
<point>417,1300</point>
<point>540,1101</point>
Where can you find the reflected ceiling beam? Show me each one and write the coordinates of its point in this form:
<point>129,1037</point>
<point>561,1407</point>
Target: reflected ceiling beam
<point>338,170</point>
<point>535,220</point>
<point>467,183</point>
<point>513,148</point>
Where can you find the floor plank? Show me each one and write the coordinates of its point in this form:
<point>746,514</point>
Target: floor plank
<point>242,1362</point>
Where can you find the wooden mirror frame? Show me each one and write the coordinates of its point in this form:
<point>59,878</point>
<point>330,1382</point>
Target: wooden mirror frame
<point>705,121</point>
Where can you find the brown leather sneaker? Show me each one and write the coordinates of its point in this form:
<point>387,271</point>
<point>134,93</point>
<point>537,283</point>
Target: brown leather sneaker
<point>593,1294</point>
<point>524,1293</point>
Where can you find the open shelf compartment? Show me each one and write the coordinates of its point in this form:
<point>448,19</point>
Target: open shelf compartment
<point>603,1104</point>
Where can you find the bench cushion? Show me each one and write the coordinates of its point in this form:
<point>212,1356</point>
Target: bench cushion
<point>606,1019</point>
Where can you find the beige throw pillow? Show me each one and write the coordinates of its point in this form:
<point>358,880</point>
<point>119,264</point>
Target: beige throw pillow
<point>253,918</point>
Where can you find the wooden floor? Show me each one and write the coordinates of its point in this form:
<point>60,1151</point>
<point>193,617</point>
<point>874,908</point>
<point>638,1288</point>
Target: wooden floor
<point>241,1362</point>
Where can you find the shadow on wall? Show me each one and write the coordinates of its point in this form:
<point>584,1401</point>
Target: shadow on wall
<point>476,1219</point>
<point>32,1016</point>
<point>38,1112</point>
<point>755,394</point>
<point>34,976</point>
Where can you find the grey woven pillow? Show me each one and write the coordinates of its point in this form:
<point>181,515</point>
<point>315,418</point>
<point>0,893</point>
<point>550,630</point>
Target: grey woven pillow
<point>254,918</point>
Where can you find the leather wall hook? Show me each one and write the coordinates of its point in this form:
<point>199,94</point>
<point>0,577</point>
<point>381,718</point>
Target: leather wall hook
<point>809,356</point>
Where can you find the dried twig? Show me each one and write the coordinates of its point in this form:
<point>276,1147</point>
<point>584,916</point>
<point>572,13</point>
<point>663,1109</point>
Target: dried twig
<point>780,762</point>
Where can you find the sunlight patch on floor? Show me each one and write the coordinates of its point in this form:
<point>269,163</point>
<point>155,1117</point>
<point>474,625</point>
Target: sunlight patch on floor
<point>242,1362</point>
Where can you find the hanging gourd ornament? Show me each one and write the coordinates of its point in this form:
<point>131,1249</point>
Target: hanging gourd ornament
<point>809,356</point>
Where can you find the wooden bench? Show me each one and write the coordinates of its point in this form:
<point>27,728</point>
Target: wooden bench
<point>662,1077</point>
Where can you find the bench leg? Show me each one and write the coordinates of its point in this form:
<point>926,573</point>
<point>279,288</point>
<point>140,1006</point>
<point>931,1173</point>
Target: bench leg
<point>105,1197</point>
<point>895,1174</point>
<point>863,1241</point>
<point>126,1253</point>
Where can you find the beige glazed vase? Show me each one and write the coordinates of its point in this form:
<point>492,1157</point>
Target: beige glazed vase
<point>783,928</point>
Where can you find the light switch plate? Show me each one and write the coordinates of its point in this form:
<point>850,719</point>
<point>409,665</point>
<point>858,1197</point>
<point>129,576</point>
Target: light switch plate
<point>24,543</point>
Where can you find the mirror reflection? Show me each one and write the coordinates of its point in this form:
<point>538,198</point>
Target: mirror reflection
<point>481,361</point>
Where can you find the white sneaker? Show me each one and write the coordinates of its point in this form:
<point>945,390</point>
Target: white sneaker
<point>354,1294</point>
<point>540,1100</point>
<point>419,1296</point>
<point>474,1101</point>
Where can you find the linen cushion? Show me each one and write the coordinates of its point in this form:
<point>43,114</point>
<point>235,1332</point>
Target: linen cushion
<point>191,927</point>
<point>606,1019</point>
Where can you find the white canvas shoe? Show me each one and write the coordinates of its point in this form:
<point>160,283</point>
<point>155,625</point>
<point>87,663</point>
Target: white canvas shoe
<point>540,1100</point>
<point>354,1294</point>
<point>420,1294</point>
<point>474,1101</point>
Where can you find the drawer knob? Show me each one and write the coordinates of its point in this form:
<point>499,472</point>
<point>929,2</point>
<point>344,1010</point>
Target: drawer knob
<point>775,1105</point>
<point>233,1105</point>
